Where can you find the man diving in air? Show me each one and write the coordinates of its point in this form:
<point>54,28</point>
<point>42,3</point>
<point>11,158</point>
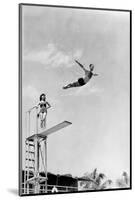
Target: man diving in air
<point>85,80</point>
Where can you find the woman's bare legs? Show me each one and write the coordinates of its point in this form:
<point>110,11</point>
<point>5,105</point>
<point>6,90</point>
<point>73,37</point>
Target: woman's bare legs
<point>43,120</point>
<point>75,84</point>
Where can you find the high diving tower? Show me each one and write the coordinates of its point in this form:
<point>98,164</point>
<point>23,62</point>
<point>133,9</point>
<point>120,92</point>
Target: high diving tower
<point>36,154</point>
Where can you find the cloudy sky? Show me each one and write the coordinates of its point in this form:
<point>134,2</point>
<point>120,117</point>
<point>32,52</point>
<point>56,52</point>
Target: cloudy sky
<point>99,111</point>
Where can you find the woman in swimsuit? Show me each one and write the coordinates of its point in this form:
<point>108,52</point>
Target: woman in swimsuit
<point>82,81</point>
<point>44,105</point>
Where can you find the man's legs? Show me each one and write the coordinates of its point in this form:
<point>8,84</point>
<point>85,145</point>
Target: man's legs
<point>75,84</point>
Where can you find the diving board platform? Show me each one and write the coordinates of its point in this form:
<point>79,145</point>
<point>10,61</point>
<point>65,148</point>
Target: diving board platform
<point>51,130</point>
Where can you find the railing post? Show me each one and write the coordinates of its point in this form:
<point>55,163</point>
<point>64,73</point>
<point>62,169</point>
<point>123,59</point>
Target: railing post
<point>36,156</point>
<point>45,143</point>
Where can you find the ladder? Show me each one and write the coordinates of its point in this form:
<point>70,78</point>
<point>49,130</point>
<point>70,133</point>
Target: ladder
<point>29,163</point>
<point>33,152</point>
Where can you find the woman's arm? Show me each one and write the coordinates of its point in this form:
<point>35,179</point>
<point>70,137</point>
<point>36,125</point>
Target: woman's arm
<point>36,106</point>
<point>80,65</point>
<point>49,106</point>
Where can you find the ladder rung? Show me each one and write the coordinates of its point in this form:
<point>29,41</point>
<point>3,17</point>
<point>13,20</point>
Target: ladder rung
<point>30,167</point>
<point>30,159</point>
<point>30,144</point>
<point>30,152</point>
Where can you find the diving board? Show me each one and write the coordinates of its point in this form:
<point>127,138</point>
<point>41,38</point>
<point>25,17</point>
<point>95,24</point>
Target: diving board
<point>49,131</point>
<point>55,128</point>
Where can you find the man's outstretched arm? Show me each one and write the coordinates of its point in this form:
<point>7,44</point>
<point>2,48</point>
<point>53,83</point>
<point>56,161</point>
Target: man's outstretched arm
<point>95,74</point>
<point>80,65</point>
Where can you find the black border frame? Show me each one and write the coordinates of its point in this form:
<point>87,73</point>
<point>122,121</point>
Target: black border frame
<point>20,94</point>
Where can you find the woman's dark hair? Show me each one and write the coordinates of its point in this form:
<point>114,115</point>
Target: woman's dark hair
<point>40,98</point>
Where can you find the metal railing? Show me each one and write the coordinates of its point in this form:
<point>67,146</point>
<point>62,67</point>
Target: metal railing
<point>60,188</point>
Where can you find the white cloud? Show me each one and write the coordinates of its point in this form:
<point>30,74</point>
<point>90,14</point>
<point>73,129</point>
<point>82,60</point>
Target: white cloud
<point>78,53</point>
<point>85,90</point>
<point>53,57</point>
<point>30,92</point>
